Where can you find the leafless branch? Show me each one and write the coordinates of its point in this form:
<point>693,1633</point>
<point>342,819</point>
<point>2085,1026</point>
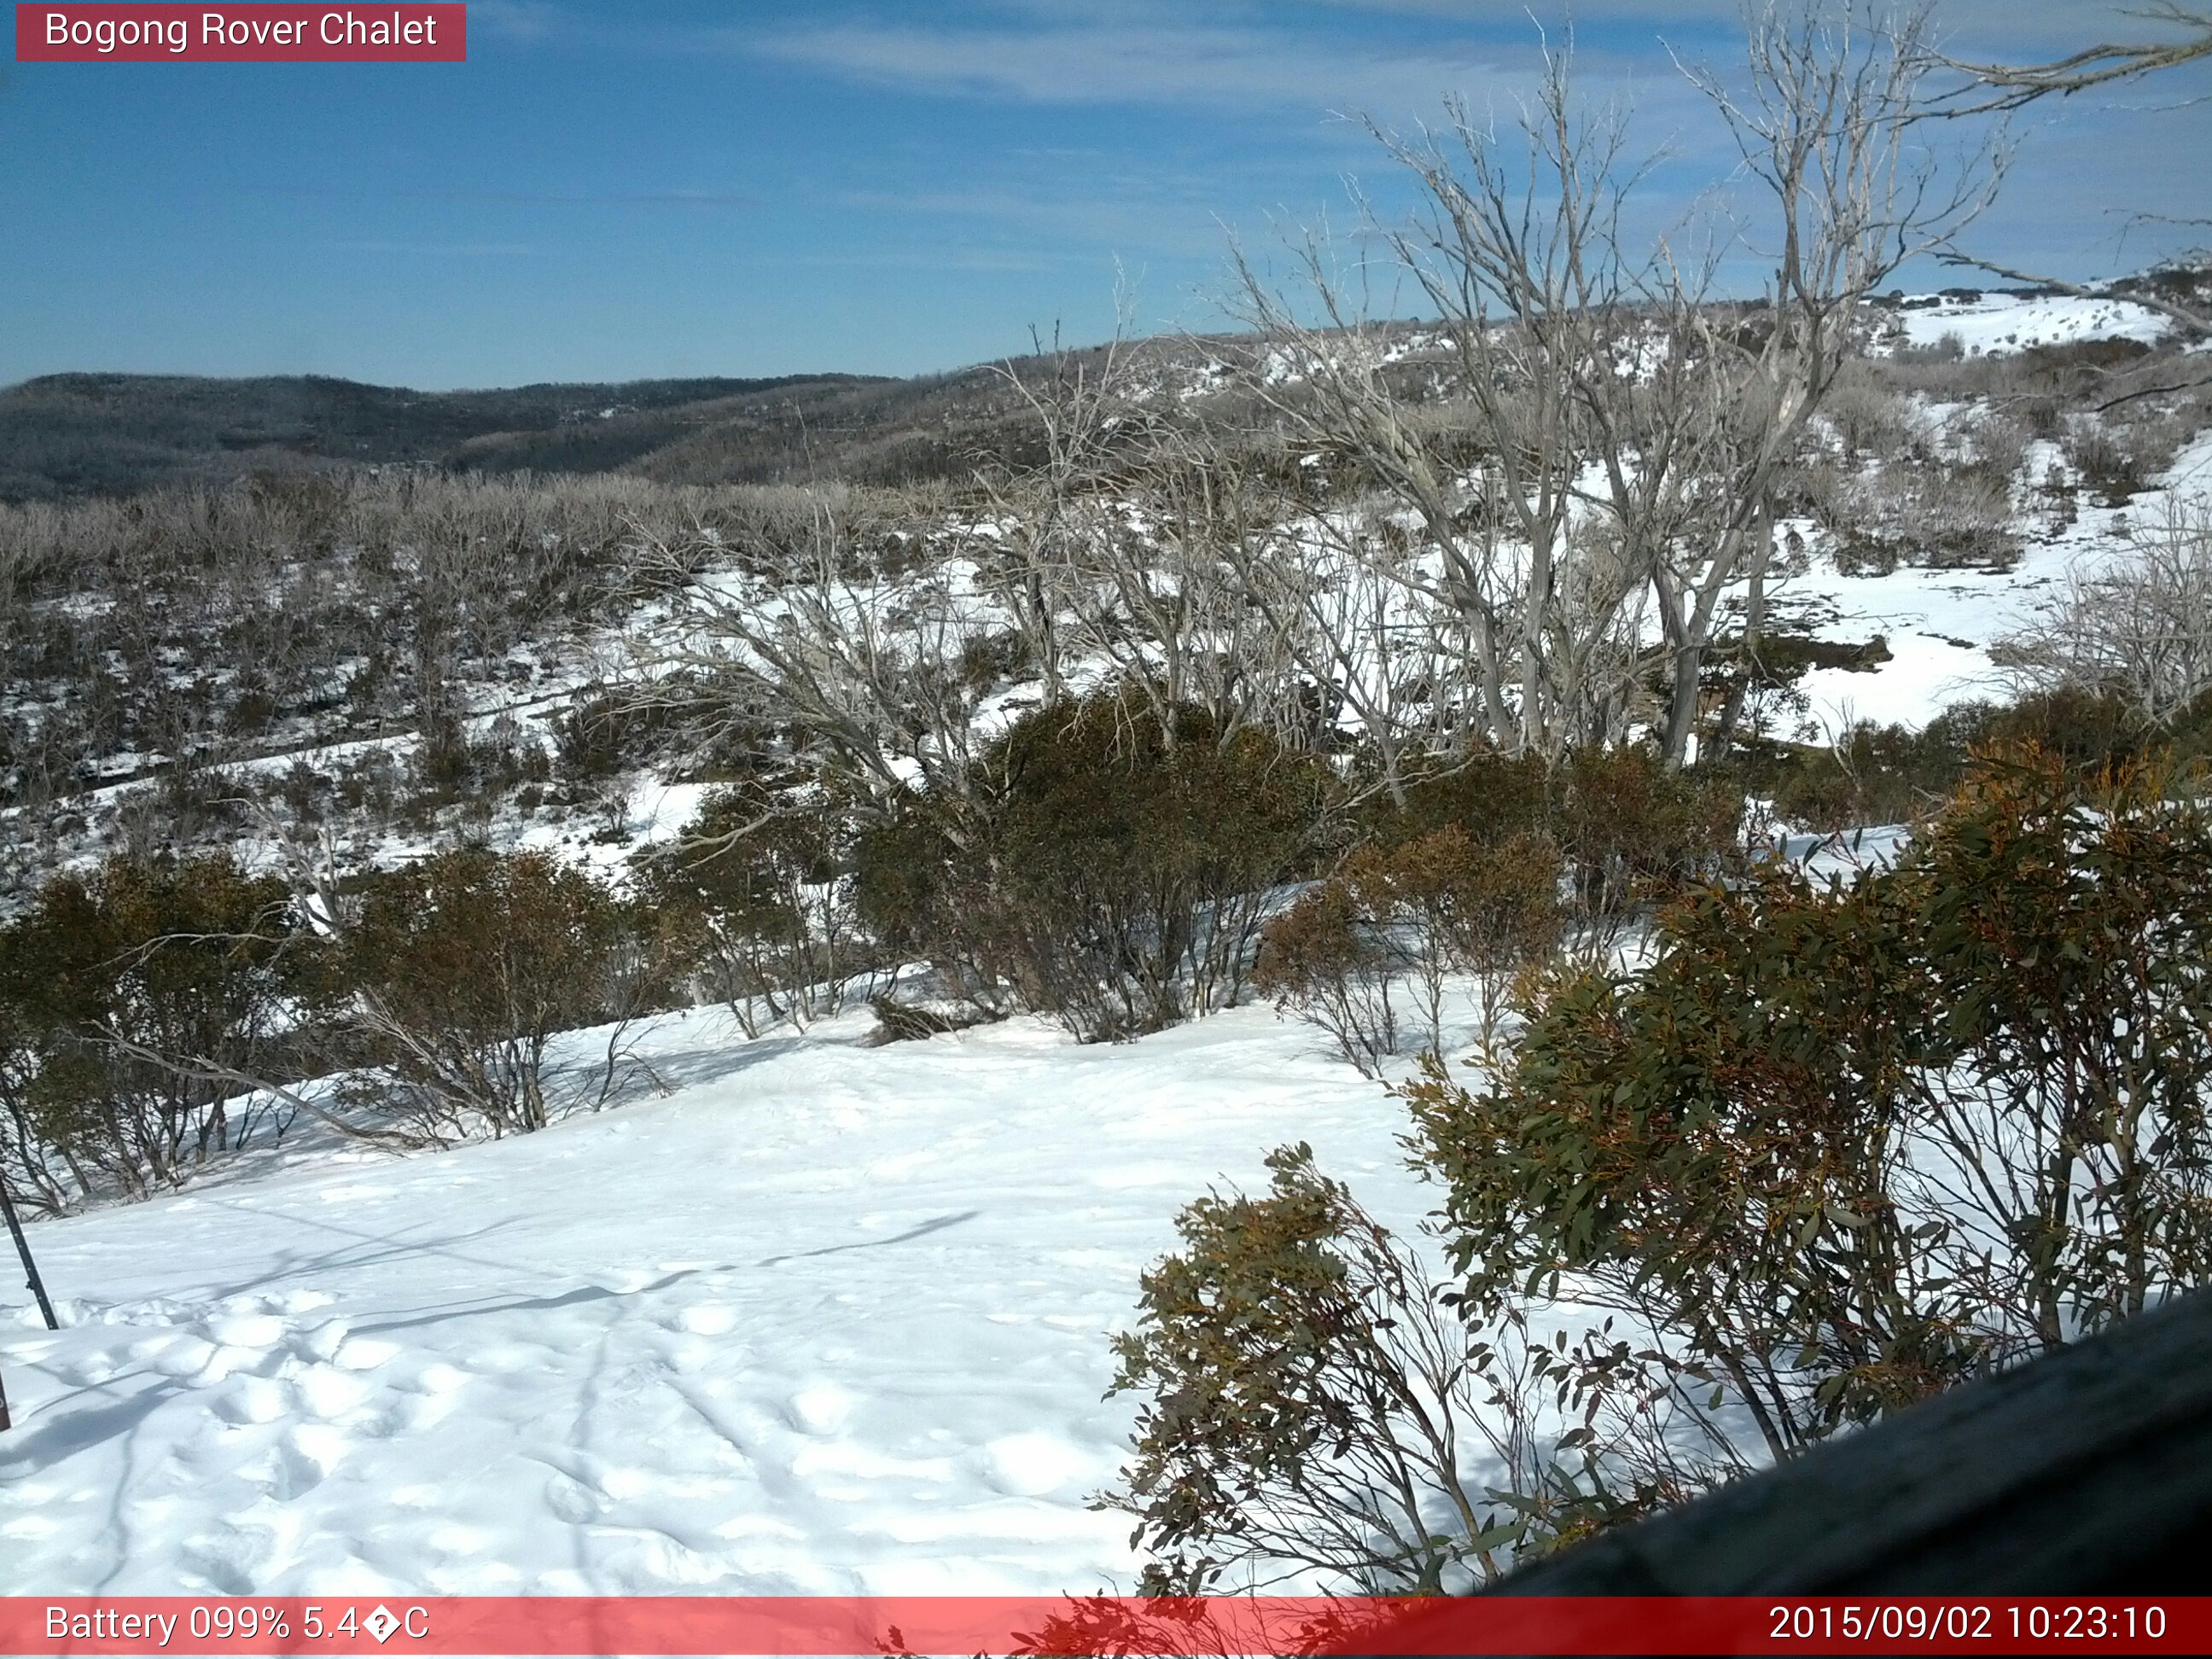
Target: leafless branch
<point>2014,85</point>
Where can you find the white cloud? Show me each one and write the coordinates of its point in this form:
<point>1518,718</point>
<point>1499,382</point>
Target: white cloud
<point>1091,64</point>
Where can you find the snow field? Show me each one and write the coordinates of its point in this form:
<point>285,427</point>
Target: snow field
<point>1941,623</point>
<point>2006,322</point>
<point>825,1319</point>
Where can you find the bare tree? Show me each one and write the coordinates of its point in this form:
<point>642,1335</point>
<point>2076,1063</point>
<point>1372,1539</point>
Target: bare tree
<point>1367,629</point>
<point>1996,87</point>
<point>1021,544</point>
<point>2000,87</point>
<point>2139,625</point>
<point>861,670</point>
<point>1130,547</point>
<point>1600,433</point>
<point>1540,319</point>
<point>1830,127</point>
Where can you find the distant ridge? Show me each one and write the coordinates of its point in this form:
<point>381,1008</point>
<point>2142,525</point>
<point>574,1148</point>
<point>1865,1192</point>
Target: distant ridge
<point>77,434</point>
<point>99,434</point>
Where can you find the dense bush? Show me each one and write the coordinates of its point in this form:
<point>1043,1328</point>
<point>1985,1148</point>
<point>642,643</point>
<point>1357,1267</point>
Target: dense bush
<point>1842,1146</point>
<point>1634,830</point>
<point>1110,870</point>
<point>103,979</point>
<point>1873,775</point>
<point>1838,1148</point>
<point>1870,775</point>
<point>1629,827</point>
<point>1327,959</point>
<point>2114,465</point>
<point>1489,795</point>
<point>1311,1403</point>
<point>1924,514</point>
<point>455,975</point>
<point>755,887</point>
<point>1417,913</point>
<point>1482,869</point>
<point>608,734</point>
<point>153,1015</point>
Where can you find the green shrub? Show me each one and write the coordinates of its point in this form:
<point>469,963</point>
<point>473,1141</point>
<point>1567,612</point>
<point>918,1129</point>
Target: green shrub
<point>1633,831</point>
<point>1325,957</point>
<point>1311,1403</point>
<point>104,979</point>
<point>755,883</point>
<point>1427,908</point>
<point>1629,828</point>
<point>925,884</point>
<point>1889,775</point>
<point>1873,773</point>
<point>455,977</point>
<point>2085,729</point>
<point>1488,795</point>
<point>1114,872</point>
<point>1842,1146</point>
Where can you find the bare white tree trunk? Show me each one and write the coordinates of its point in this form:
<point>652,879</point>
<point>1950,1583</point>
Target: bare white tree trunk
<point>1833,128</point>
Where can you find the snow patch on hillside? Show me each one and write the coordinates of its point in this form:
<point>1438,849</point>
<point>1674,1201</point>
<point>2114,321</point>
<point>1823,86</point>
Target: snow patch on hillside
<point>1940,623</point>
<point>1997,323</point>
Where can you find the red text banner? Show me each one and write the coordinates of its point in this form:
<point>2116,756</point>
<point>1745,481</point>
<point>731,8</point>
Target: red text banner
<point>674,1624</point>
<point>367,33</point>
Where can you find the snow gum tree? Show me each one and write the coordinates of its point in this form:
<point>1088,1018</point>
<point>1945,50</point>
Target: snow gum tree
<point>1588,438</point>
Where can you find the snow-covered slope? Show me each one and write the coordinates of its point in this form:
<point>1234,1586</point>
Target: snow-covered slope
<point>1940,623</point>
<point>820,1318</point>
<point>825,1318</point>
<point>2006,322</point>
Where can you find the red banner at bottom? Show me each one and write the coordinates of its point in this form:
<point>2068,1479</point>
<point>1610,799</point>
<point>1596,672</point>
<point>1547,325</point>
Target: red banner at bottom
<point>1210,1626</point>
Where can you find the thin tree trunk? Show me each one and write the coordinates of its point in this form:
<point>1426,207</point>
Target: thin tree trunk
<point>36,1284</point>
<point>1754,620</point>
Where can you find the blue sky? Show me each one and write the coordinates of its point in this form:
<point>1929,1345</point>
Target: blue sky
<point>662,187</point>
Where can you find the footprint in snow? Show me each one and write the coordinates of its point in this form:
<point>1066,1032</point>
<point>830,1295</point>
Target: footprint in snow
<point>822,1408</point>
<point>572,1501</point>
<point>364,1354</point>
<point>251,1400</point>
<point>185,1357</point>
<point>706,1318</point>
<point>1031,1465</point>
<point>328,1392</point>
<point>225,1563</point>
<point>301,1461</point>
<point>319,1343</point>
<point>422,1401</point>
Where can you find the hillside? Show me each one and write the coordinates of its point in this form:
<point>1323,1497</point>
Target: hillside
<point>805,1309</point>
<point>70,435</point>
<point>811,1317</point>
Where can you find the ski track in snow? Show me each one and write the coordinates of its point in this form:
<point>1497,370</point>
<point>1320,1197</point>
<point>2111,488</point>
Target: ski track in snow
<point>826,1319</point>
